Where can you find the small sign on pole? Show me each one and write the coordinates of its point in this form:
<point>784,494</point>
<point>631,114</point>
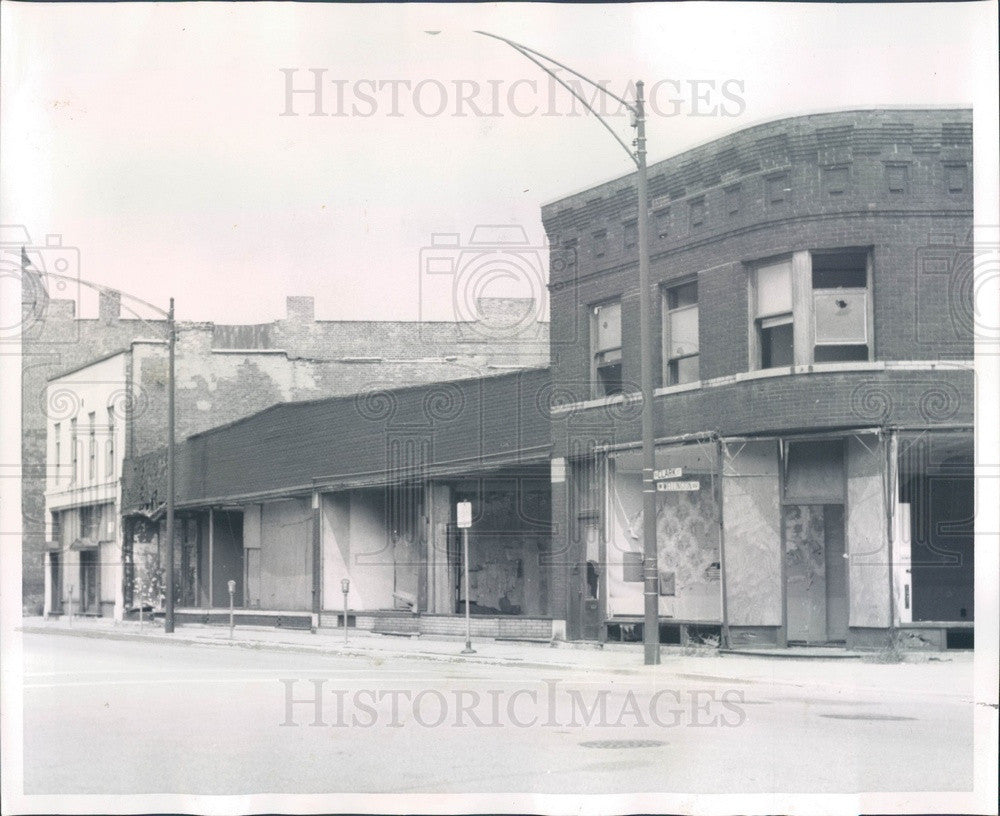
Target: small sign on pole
<point>676,487</point>
<point>464,515</point>
<point>232,593</point>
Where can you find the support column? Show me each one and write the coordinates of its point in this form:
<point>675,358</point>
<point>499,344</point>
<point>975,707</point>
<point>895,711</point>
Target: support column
<point>211,558</point>
<point>317,575</point>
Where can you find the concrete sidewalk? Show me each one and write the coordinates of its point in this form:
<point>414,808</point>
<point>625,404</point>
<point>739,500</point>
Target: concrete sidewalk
<point>939,674</point>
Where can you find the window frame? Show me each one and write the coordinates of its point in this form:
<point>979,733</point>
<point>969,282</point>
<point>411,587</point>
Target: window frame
<point>803,310</point>
<point>666,290</point>
<point>596,387</point>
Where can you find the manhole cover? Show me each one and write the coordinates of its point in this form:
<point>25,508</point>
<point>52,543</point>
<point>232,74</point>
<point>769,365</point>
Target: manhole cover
<point>635,743</point>
<point>880,717</point>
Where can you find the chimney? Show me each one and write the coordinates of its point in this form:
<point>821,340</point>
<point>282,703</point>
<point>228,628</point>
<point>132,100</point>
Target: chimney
<point>300,307</point>
<point>110,305</point>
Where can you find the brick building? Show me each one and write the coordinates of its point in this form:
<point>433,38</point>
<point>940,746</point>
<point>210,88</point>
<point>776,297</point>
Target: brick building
<point>224,372</point>
<point>289,502</point>
<point>814,399</point>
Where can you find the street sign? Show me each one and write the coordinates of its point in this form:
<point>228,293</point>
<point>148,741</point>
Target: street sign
<point>668,473</point>
<point>464,510</point>
<point>675,487</point>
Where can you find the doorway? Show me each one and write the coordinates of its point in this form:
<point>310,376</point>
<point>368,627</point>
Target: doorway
<point>89,577</point>
<point>816,607</point>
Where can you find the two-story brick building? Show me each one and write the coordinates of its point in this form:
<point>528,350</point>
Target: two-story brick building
<point>814,399</point>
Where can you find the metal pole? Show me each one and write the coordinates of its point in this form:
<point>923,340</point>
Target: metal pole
<point>168,620</point>
<point>345,617</point>
<point>231,610</point>
<point>468,617</point>
<point>651,590</point>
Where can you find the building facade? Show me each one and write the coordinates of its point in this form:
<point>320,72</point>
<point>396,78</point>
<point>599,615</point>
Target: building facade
<point>289,502</point>
<point>814,399</point>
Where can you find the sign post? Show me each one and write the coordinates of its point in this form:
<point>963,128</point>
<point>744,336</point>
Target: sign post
<point>345,587</point>
<point>232,593</point>
<point>464,514</point>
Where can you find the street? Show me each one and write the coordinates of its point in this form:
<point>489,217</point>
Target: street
<point>113,717</point>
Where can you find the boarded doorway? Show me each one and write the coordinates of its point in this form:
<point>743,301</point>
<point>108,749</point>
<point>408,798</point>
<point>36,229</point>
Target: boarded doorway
<point>815,573</point>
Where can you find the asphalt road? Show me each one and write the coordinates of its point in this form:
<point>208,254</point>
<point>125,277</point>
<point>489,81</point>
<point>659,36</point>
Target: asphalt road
<point>114,717</point>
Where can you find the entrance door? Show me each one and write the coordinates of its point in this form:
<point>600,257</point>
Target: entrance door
<point>815,573</point>
<point>591,613</point>
<point>89,577</point>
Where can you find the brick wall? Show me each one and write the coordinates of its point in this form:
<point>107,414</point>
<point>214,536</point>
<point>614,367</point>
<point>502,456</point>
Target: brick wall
<point>801,402</point>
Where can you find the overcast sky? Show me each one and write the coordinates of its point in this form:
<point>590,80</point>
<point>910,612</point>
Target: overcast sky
<point>151,136</point>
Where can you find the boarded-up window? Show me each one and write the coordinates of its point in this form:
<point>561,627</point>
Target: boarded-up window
<point>774,289</point>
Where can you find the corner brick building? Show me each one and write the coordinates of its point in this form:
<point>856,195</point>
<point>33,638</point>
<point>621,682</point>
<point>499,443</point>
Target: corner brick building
<point>814,400</point>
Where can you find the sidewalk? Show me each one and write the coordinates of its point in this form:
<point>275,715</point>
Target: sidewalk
<point>943,673</point>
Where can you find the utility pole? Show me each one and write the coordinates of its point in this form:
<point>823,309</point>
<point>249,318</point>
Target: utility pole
<point>651,571</point>
<point>650,556</point>
<point>168,620</point>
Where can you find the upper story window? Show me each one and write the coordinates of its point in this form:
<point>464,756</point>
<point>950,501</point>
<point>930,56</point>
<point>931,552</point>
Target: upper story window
<point>57,453</point>
<point>841,303</point>
<point>813,307</point>
<point>73,452</point>
<point>92,448</point>
<point>606,348</point>
<point>774,318</point>
<point>680,333</point>
<point>111,443</point>
<point>90,522</point>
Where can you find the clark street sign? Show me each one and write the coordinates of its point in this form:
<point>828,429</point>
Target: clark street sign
<point>674,487</point>
<point>668,473</point>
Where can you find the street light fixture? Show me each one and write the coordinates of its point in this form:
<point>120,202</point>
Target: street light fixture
<point>651,618</point>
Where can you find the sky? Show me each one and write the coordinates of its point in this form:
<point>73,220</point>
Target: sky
<point>151,137</point>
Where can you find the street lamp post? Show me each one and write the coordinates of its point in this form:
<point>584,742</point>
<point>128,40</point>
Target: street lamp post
<point>651,618</point>
<point>168,618</point>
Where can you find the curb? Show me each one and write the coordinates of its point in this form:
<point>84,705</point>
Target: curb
<point>258,645</point>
